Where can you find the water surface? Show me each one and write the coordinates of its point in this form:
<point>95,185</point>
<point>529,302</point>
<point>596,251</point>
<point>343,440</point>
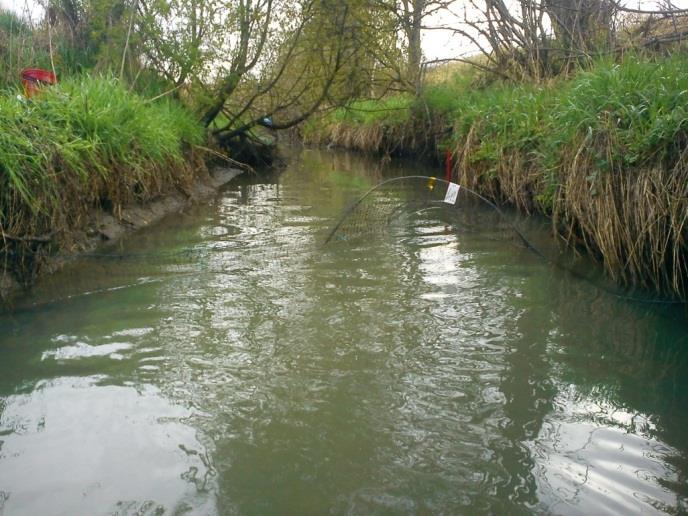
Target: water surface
<point>227,362</point>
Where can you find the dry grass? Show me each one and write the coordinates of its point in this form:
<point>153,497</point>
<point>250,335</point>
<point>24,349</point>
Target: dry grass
<point>634,220</point>
<point>604,154</point>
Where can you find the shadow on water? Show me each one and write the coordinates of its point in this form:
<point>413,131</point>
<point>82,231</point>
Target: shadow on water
<point>226,362</point>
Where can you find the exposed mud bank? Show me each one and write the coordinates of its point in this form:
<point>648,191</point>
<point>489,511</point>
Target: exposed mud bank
<point>104,228</point>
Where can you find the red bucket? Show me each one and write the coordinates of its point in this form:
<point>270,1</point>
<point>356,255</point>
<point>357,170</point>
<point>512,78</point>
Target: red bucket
<point>34,78</point>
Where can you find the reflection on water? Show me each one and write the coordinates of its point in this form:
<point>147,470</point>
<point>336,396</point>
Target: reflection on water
<point>226,362</point>
<point>77,445</point>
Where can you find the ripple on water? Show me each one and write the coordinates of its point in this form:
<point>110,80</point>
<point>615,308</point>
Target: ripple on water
<point>593,458</point>
<point>86,447</point>
<point>82,350</point>
<point>416,370</point>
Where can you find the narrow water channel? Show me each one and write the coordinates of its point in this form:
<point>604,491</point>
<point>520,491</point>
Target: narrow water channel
<point>225,362</point>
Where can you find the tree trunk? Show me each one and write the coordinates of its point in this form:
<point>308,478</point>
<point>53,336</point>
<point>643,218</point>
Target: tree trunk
<point>414,20</point>
<point>580,24</point>
<point>229,85</point>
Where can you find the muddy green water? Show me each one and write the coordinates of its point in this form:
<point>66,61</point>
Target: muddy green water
<point>227,363</point>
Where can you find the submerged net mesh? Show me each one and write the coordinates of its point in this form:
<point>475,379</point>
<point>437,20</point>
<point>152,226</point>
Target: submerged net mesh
<point>460,209</point>
<point>394,205</point>
<point>464,211</point>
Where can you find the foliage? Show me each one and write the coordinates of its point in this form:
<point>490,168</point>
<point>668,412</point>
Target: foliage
<point>318,53</point>
<point>390,110</point>
<point>19,47</point>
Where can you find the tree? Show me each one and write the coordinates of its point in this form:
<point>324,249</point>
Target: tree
<point>516,38</point>
<point>178,40</point>
<point>580,24</point>
<point>411,17</point>
<point>268,63</point>
<point>251,63</point>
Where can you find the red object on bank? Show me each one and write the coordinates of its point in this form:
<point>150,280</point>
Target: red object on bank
<point>448,165</point>
<point>34,78</point>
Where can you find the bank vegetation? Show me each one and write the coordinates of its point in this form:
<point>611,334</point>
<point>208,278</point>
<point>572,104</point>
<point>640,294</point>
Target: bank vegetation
<point>84,144</point>
<point>574,109</point>
<point>595,140</point>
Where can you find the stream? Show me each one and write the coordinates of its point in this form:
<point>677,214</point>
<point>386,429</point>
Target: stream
<point>225,361</point>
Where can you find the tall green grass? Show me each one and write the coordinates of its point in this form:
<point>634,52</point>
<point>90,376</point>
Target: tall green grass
<point>641,105</point>
<point>620,116</point>
<point>84,143</point>
<point>605,153</point>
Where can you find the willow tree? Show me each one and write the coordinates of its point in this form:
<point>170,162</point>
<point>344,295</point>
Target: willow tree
<point>540,38</point>
<point>298,69</point>
<point>266,62</point>
<point>583,25</point>
<point>179,37</point>
<point>324,53</point>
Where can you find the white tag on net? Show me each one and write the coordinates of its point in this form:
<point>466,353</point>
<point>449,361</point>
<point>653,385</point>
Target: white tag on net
<point>452,193</point>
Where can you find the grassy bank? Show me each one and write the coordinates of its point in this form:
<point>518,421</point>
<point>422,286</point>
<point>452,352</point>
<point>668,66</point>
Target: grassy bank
<point>604,154</point>
<point>85,143</point>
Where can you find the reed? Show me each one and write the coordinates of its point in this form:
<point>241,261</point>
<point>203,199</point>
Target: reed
<point>21,46</point>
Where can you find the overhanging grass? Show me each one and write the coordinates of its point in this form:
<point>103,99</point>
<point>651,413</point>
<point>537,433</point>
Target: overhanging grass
<point>604,153</point>
<point>618,116</point>
<point>84,143</point>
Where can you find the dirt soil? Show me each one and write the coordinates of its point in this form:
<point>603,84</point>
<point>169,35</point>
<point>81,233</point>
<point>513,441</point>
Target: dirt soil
<point>105,229</point>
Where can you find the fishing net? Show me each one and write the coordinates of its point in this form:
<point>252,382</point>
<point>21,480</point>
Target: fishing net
<point>389,206</point>
<point>409,202</point>
<point>425,205</point>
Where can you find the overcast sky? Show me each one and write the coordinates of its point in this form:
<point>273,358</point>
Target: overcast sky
<point>437,44</point>
<point>443,44</point>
